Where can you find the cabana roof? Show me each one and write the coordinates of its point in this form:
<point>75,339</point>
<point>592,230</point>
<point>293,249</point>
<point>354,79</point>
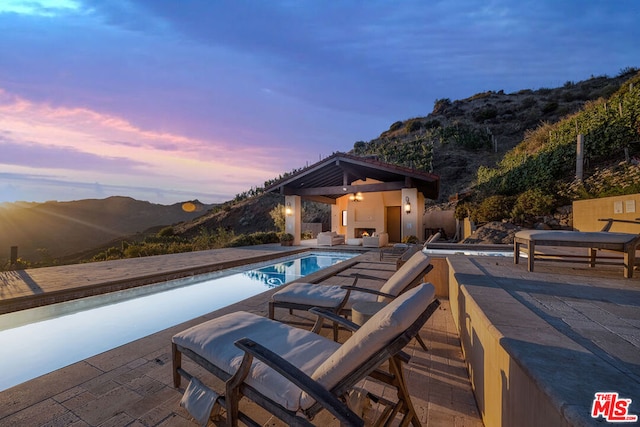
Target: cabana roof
<point>334,176</point>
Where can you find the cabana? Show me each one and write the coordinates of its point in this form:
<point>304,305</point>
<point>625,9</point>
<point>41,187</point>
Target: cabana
<point>368,198</point>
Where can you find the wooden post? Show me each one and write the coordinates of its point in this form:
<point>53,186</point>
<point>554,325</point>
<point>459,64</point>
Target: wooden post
<point>579,156</point>
<point>14,255</point>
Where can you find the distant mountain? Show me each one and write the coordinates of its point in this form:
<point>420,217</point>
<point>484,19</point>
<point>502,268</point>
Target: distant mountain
<point>52,230</point>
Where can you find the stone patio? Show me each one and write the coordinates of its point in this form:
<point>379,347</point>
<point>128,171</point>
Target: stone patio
<point>132,384</point>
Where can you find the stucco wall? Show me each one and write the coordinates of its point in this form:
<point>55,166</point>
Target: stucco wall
<point>587,212</point>
<point>441,219</point>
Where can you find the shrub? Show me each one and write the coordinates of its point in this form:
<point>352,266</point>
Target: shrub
<point>413,126</point>
<point>486,113</point>
<point>166,232</point>
<point>550,107</point>
<point>440,105</point>
<point>493,208</point>
<point>277,214</point>
<point>432,124</point>
<point>286,237</point>
<point>410,239</point>
<point>395,126</point>
<point>242,240</point>
<point>252,239</point>
<point>531,203</point>
<point>462,210</point>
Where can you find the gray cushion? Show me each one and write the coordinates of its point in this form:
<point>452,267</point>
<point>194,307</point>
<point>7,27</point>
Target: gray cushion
<point>214,340</point>
<point>576,236</point>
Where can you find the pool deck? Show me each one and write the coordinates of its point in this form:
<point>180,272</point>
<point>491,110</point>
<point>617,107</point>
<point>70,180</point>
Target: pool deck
<point>537,344</point>
<point>132,384</point>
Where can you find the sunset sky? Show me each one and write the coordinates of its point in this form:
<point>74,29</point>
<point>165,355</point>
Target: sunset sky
<point>167,100</point>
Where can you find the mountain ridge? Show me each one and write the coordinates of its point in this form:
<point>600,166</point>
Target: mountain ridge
<point>53,229</point>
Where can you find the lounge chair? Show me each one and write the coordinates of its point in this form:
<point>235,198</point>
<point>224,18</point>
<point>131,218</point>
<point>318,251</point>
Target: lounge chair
<point>297,373</point>
<point>339,299</point>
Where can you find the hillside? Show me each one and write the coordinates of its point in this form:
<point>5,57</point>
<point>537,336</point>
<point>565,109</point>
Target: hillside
<point>55,229</point>
<point>464,135</point>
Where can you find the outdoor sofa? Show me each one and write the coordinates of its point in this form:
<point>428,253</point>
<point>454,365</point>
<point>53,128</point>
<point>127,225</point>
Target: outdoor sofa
<point>330,238</point>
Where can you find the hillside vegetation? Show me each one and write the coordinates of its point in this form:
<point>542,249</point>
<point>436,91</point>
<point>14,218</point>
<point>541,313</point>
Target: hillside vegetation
<point>456,140</point>
<point>539,174</point>
<point>459,138</point>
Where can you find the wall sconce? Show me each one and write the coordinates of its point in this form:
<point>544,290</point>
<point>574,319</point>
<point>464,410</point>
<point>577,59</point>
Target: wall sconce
<point>287,210</point>
<point>356,197</point>
<point>407,205</point>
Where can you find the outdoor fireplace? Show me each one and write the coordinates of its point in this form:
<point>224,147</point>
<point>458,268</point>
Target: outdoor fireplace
<point>358,232</point>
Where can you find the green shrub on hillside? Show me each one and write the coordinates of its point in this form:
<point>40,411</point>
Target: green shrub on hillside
<point>465,136</point>
<point>485,113</point>
<point>531,203</point>
<point>413,126</point>
<point>252,239</point>
<point>493,208</point>
<point>166,232</point>
<point>463,210</point>
<point>395,126</point>
<point>278,216</point>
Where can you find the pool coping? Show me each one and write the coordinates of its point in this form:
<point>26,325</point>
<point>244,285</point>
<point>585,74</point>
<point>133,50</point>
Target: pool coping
<point>53,296</point>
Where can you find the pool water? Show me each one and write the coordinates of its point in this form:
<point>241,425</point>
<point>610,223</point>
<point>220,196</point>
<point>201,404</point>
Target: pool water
<point>43,339</point>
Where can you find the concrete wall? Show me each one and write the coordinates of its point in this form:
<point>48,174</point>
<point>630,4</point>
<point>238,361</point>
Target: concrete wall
<point>440,219</point>
<point>587,212</point>
<point>313,227</point>
<point>439,276</point>
<point>506,394</point>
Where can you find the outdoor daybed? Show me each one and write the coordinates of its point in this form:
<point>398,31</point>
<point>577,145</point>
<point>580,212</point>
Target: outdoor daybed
<point>626,243</point>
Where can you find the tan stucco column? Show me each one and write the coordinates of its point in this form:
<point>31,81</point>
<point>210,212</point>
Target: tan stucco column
<point>411,221</point>
<point>293,221</point>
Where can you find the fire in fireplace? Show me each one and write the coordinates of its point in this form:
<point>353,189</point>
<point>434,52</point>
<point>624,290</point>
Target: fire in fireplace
<point>359,232</point>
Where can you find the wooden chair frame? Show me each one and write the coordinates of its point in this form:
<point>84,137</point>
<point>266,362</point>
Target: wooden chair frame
<point>331,400</point>
<point>339,309</point>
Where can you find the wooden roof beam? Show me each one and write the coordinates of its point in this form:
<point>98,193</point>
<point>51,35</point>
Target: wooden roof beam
<point>346,189</point>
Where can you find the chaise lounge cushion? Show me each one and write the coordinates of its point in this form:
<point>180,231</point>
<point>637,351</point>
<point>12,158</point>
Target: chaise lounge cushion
<point>576,236</point>
<point>374,335</point>
<point>324,360</point>
<point>328,296</point>
<point>214,340</point>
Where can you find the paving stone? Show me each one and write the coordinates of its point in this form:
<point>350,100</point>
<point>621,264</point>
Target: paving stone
<point>108,405</point>
<point>35,415</point>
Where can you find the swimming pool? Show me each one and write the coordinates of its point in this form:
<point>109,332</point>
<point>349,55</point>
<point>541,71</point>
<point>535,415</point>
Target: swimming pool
<point>43,339</point>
